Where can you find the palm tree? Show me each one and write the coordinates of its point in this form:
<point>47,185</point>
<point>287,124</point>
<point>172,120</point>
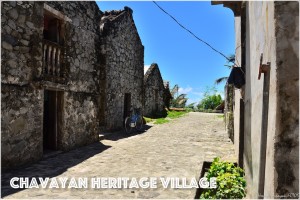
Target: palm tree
<point>231,60</point>
<point>180,100</point>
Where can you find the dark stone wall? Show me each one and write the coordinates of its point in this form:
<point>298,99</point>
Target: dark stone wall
<point>122,66</point>
<point>23,82</point>
<point>21,64</point>
<point>81,99</point>
<point>21,41</point>
<point>287,139</point>
<point>153,91</point>
<point>80,119</point>
<point>82,44</point>
<point>21,125</point>
<point>228,110</point>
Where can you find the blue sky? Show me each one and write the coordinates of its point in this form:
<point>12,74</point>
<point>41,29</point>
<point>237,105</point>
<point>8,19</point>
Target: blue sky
<point>182,59</point>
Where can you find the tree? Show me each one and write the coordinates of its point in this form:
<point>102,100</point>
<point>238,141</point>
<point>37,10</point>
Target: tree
<point>230,65</point>
<point>210,100</point>
<point>180,100</point>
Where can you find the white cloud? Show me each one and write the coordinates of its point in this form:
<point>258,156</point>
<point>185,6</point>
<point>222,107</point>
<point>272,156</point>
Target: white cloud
<point>198,93</point>
<point>146,67</point>
<point>196,101</point>
<point>184,90</point>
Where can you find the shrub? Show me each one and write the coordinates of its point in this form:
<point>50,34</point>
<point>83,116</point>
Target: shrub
<point>230,181</point>
<point>210,99</point>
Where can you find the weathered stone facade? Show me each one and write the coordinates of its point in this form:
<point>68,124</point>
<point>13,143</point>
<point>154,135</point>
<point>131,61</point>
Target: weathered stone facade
<point>154,90</point>
<point>228,110</point>
<point>271,29</point>
<point>21,63</point>
<point>62,76</point>
<point>81,99</point>
<point>122,67</point>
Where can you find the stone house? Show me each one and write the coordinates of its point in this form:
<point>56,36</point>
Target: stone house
<point>154,91</point>
<point>56,80</point>
<point>167,94</point>
<point>266,108</point>
<point>122,67</point>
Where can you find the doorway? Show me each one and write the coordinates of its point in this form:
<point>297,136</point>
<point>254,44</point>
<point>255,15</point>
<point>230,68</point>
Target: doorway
<point>52,119</point>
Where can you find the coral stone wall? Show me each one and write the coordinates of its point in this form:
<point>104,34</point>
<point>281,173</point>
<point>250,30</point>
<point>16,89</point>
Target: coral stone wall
<point>153,91</point>
<point>122,69</point>
<point>21,42</point>
<point>23,83</point>
<point>287,62</point>
<point>21,125</point>
<point>81,98</point>
<point>21,63</point>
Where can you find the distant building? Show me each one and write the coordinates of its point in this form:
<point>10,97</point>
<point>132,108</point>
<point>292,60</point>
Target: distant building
<point>122,65</point>
<point>167,95</point>
<point>154,91</point>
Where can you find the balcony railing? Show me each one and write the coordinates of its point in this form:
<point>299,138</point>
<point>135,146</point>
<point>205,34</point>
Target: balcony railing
<point>52,59</point>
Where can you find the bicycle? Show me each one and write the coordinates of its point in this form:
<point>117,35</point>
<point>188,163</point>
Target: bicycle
<point>135,120</point>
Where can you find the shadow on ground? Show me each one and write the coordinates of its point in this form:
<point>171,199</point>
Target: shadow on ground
<point>50,167</point>
<point>122,134</point>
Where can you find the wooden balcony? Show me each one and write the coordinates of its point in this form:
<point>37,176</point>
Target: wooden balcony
<point>53,65</point>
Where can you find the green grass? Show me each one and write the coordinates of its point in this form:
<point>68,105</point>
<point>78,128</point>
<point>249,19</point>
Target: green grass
<point>175,114</point>
<point>170,115</point>
<point>161,121</point>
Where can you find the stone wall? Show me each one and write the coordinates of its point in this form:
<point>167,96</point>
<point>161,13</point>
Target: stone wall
<point>271,31</point>
<point>21,46</point>
<point>287,65</point>
<point>21,63</point>
<point>21,125</point>
<point>228,111</point>
<point>23,78</point>
<point>153,91</point>
<point>237,96</point>
<point>81,99</point>
<point>81,43</point>
<point>81,120</point>
<point>122,66</point>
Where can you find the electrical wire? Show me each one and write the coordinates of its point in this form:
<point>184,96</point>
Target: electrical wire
<point>194,34</point>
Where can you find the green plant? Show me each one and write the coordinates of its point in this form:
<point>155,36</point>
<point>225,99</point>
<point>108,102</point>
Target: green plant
<point>179,100</point>
<point>230,65</point>
<point>230,181</point>
<point>210,99</point>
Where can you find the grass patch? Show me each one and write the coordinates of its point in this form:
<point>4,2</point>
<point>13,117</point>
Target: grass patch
<point>169,115</point>
<point>175,114</point>
<point>161,121</point>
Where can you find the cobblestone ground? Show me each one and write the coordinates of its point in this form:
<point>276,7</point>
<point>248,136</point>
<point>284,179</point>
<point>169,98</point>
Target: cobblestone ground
<point>175,149</point>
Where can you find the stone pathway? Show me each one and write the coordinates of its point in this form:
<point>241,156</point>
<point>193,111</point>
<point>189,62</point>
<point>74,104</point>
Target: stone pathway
<point>175,149</point>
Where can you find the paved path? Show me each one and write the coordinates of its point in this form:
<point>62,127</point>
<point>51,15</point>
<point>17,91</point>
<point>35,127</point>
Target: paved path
<point>175,149</point>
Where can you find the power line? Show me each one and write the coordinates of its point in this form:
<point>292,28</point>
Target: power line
<point>193,33</point>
